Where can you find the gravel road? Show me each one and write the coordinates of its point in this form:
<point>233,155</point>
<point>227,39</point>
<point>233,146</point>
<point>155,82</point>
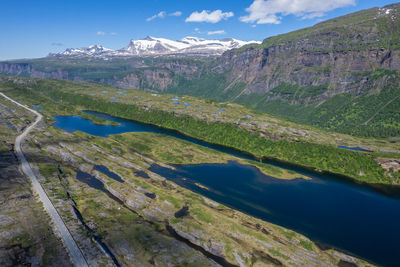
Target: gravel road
<point>75,253</point>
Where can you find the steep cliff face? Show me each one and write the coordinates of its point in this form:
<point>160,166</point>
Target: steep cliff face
<point>156,76</point>
<point>134,73</point>
<point>336,72</point>
<point>145,79</point>
<point>26,69</point>
<point>331,55</point>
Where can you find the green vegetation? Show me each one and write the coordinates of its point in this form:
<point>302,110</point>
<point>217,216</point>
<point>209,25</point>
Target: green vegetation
<point>346,28</point>
<point>97,120</point>
<point>360,166</point>
<point>208,85</point>
<point>278,254</point>
<point>47,169</point>
<point>367,115</point>
<point>321,157</point>
<point>175,151</point>
<point>290,92</point>
<point>122,229</point>
<point>306,244</point>
<point>66,96</point>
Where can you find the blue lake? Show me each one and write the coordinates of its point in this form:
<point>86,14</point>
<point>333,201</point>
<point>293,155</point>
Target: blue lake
<point>109,173</point>
<point>355,148</point>
<point>359,219</point>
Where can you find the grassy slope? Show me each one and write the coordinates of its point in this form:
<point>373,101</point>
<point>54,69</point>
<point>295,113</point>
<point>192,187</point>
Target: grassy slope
<point>364,21</point>
<point>368,115</point>
<point>360,166</point>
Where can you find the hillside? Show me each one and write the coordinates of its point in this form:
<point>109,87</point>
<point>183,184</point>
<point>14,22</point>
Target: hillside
<point>341,74</point>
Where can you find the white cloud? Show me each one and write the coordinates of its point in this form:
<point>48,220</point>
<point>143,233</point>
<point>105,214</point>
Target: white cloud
<point>216,32</point>
<point>162,15</point>
<point>175,14</point>
<point>197,30</point>
<point>105,33</point>
<point>271,11</point>
<point>208,16</point>
<point>159,15</point>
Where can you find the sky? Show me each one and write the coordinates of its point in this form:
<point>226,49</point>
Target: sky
<point>34,28</point>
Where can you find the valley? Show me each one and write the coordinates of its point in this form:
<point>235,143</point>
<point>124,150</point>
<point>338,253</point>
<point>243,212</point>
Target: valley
<point>202,151</point>
<point>286,144</point>
<point>340,75</point>
<point>142,205</point>
<point>137,160</point>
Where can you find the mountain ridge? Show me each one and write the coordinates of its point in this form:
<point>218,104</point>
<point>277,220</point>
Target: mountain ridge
<point>152,46</point>
<point>342,74</point>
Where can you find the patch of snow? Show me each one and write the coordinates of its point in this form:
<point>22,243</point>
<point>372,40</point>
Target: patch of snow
<point>160,46</point>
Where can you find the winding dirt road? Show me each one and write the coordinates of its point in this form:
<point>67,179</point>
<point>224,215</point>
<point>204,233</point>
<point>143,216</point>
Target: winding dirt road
<point>75,253</point>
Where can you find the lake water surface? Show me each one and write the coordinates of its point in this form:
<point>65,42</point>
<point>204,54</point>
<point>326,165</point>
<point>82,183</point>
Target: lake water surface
<point>354,148</point>
<point>328,209</point>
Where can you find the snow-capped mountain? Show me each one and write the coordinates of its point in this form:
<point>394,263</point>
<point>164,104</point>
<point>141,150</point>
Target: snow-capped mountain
<point>215,47</point>
<point>160,46</point>
<point>152,46</point>
<point>93,50</point>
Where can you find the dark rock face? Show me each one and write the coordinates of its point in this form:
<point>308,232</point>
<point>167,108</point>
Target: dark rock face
<point>263,69</point>
<point>25,69</point>
<point>334,53</point>
<point>132,74</point>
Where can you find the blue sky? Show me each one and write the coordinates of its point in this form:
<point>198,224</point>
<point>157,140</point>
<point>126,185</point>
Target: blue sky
<point>33,28</point>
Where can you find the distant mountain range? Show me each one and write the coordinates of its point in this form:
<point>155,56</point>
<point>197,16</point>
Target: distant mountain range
<point>342,74</point>
<point>151,46</point>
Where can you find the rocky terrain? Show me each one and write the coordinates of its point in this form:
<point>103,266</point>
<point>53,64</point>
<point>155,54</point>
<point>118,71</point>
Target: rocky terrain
<point>120,212</point>
<point>142,217</point>
<point>26,238</point>
<point>332,55</point>
<point>129,73</point>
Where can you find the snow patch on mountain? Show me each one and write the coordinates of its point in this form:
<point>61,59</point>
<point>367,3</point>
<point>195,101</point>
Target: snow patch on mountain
<point>160,46</point>
<point>93,50</point>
